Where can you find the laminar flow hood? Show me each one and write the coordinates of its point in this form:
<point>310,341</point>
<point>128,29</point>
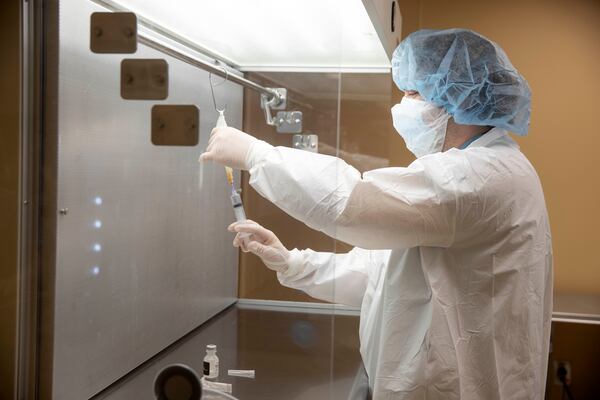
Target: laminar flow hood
<point>279,35</point>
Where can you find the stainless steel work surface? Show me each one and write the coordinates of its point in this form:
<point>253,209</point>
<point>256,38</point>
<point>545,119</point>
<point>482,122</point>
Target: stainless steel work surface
<point>143,255</point>
<point>296,355</point>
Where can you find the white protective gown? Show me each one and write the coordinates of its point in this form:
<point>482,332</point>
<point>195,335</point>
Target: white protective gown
<point>452,266</point>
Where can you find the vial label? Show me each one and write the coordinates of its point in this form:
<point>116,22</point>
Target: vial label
<point>211,369</point>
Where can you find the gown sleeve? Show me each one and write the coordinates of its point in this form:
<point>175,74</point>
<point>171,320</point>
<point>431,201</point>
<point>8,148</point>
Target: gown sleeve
<point>336,278</point>
<point>388,208</point>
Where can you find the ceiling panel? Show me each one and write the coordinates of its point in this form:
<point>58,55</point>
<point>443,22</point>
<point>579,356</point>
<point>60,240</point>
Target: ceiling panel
<point>273,34</point>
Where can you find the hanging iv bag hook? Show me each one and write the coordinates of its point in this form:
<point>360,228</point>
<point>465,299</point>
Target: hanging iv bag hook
<point>212,90</point>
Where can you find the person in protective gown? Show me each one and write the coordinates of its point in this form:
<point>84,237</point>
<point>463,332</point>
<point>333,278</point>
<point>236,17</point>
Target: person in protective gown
<point>452,264</point>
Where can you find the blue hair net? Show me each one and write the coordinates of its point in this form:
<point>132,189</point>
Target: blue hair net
<point>466,74</point>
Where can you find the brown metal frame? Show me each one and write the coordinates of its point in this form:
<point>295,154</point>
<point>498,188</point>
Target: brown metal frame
<point>39,133</point>
<point>27,278</point>
<point>10,197</point>
<point>48,134</point>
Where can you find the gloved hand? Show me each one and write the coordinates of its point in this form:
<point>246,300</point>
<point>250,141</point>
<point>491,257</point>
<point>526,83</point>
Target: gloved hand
<point>228,146</point>
<point>253,238</point>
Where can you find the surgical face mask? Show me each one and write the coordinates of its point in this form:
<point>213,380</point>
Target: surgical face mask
<point>421,124</point>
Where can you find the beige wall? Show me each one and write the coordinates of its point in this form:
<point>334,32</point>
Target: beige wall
<point>9,191</point>
<point>255,280</point>
<point>555,44</point>
<point>577,344</point>
<point>365,137</point>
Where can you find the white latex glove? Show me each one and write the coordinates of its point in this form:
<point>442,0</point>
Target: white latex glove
<point>228,146</point>
<point>253,238</point>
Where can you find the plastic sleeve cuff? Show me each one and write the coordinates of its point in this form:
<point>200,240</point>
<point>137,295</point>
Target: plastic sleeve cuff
<point>257,152</point>
<point>294,264</point>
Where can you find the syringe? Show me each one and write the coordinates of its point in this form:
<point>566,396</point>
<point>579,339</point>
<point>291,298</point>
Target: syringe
<point>238,207</point>
<point>236,199</point>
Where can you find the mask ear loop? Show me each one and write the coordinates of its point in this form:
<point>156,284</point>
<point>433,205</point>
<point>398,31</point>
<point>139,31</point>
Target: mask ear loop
<point>212,85</point>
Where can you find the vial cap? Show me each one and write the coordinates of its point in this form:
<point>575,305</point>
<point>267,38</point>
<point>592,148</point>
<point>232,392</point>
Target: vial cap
<point>211,347</point>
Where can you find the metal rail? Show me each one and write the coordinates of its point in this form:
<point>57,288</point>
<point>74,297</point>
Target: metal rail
<point>272,95</point>
<point>213,69</point>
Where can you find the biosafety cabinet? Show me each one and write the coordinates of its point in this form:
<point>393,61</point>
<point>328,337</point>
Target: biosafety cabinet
<point>125,263</point>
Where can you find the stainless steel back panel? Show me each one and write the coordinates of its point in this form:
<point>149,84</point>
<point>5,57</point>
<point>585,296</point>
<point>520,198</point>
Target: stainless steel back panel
<point>143,255</point>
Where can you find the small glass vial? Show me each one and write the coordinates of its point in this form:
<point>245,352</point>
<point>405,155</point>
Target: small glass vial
<point>211,363</point>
